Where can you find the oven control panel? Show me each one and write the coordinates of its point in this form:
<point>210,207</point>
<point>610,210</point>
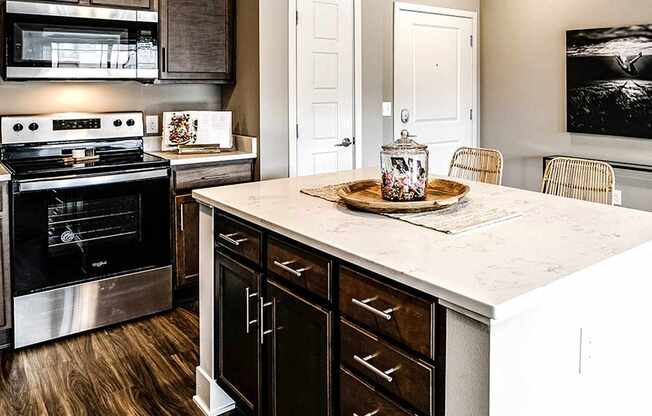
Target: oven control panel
<point>76,124</point>
<point>69,127</point>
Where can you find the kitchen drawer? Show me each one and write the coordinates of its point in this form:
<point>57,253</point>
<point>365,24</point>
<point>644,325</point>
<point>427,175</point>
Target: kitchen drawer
<point>238,238</point>
<point>359,398</point>
<point>406,318</point>
<point>301,267</point>
<point>408,378</point>
<point>205,176</point>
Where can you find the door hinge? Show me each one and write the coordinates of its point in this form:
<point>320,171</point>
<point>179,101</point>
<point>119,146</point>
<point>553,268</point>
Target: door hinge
<point>353,140</point>
<point>297,16</point>
<point>297,131</point>
<point>471,114</point>
<point>471,41</point>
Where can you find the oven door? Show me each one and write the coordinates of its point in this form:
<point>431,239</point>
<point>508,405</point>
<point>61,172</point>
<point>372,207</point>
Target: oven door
<point>52,41</point>
<point>73,230</point>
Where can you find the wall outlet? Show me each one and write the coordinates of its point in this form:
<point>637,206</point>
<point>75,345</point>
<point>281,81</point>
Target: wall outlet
<point>151,124</point>
<point>618,197</point>
<point>387,109</point>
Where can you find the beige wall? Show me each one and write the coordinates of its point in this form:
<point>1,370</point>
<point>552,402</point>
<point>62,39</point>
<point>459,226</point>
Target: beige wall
<point>524,92</point>
<point>274,130</point>
<point>243,98</point>
<point>50,97</point>
<point>378,68</point>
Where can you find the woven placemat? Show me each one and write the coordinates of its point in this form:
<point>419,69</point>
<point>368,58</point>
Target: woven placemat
<point>471,213</point>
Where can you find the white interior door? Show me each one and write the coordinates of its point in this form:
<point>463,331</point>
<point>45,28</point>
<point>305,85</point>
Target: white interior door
<point>434,69</point>
<point>324,76</point>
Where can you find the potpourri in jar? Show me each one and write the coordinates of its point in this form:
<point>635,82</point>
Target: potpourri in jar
<point>404,169</point>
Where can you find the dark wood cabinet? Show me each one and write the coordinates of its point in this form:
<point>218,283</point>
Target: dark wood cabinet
<point>382,347</point>
<point>297,354</point>
<point>186,240</point>
<point>197,40</point>
<point>239,364</point>
<point>185,217</point>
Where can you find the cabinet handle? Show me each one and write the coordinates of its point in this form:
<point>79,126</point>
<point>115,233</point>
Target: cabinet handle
<point>365,304</point>
<point>372,413</point>
<point>284,266</point>
<point>229,239</point>
<point>248,296</point>
<point>382,374</point>
<point>264,332</point>
<point>181,217</point>
<point>163,60</point>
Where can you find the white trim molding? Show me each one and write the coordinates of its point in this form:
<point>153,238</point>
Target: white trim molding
<point>209,397</point>
<point>473,15</point>
<point>292,84</point>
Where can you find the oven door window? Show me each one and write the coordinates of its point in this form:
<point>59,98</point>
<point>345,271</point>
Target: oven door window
<point>71,236</point>
<point>60,46</point>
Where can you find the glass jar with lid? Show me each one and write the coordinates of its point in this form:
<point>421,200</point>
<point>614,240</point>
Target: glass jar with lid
<point>404,168</point>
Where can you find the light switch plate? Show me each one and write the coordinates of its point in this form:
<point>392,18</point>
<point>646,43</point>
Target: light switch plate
<point>151,124</point>
<point>618,197</point>
<point>387,109</point>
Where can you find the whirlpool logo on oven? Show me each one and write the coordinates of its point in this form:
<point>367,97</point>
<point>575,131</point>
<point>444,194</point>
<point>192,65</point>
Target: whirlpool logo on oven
<point>99,264</point>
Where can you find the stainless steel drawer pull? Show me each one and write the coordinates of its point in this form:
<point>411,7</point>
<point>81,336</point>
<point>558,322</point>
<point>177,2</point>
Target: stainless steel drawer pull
<point>365,304</point>
<point>373,413</point>
<point>229,238</point>
<point>285,266</point>
<point>248,296</point>
<point>383,374</point>
<point>264,332</point>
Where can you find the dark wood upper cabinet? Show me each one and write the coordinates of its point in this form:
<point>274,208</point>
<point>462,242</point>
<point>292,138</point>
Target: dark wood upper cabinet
<point>239,351</point>
<point>197,40</point>
<point>187,239</point>
<point>297,355</point>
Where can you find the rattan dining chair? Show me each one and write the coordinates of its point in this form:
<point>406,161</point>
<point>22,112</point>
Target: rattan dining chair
<point>588,180</point>
<point>476,164</point>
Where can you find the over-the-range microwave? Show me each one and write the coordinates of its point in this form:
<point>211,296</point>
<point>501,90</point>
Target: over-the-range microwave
<point>46,41</point>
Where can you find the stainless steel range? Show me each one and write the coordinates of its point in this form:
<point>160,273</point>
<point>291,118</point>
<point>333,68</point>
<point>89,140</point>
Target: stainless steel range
<point>90,223</point>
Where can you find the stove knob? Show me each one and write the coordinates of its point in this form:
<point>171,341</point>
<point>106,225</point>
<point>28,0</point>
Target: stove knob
<point>130,122</point>
<point>117,123</point>
<point>33,127</point>
<point>18,127</point>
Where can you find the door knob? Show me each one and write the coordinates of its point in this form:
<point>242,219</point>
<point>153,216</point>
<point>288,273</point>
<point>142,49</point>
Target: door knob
<point>346,142</point>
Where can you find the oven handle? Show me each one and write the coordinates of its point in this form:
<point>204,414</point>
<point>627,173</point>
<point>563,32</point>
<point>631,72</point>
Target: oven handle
<point>45,185</point>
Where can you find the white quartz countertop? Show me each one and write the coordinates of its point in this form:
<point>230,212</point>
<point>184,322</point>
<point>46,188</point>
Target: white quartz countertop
<point>188,159</point>
<point>494,271</point>
<point>4,174</point>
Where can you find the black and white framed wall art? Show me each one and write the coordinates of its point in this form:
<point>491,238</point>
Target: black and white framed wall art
<point>609,81</point>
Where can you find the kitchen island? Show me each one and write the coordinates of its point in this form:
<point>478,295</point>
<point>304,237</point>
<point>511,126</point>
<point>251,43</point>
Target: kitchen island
<point>544,314</point>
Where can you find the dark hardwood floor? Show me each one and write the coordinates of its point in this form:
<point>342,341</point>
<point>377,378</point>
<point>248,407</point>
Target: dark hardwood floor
<point>141,368</point>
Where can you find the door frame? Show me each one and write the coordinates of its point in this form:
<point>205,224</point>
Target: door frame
<point>404,6</point>
<point>292,86</point>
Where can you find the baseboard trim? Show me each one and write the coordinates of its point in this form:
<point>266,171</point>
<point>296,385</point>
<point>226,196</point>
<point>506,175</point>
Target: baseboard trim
<point>207,389</point>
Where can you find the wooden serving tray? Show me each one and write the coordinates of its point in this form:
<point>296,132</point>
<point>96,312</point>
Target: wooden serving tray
<point>366,196</point>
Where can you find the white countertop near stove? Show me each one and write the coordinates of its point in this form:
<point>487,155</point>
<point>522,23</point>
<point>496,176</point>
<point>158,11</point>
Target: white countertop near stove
<point>246,148</point>
<point>4,174</point>
<point>497,271</point>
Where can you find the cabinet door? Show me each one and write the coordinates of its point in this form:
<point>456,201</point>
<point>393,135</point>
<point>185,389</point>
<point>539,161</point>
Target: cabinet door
<point>297,339</point>
<point>238,336</point>
<point>187,239</point>
<point>197,39</point>
<point>136,4</point>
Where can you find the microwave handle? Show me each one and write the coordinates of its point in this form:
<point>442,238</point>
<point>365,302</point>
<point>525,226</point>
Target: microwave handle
<point>66,183</point>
